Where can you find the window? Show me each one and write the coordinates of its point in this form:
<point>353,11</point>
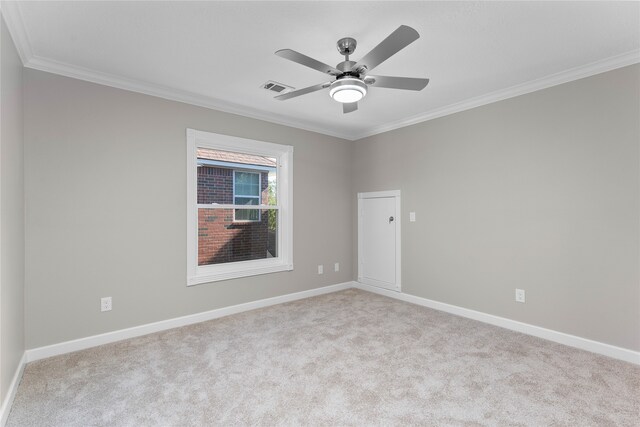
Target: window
<point>246,191</point>
<point>239,210</point>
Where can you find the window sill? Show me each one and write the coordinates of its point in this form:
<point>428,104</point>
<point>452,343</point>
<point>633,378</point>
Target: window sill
<point>211,276</point>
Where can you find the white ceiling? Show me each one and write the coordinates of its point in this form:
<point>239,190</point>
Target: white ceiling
<point>218,54</point>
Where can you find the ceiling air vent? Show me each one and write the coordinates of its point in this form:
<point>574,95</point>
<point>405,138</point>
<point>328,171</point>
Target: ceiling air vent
<point>276,87</point>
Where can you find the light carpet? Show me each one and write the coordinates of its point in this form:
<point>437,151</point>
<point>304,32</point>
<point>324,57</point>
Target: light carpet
<point>346,358</point>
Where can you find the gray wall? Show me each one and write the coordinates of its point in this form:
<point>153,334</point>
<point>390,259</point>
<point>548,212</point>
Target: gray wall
<point>12,212</point>
<point>106,209</point>
<point>539,192</point>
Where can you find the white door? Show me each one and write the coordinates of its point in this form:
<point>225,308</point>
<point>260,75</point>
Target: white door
<point>379,239</point>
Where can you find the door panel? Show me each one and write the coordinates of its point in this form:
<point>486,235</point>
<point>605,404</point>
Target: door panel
<point>378,228</point>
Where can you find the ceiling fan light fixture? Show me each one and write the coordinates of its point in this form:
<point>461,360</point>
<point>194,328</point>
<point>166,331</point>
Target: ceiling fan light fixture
<point>348,90</point>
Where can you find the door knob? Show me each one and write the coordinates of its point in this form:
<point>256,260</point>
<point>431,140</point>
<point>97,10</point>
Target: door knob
<point>391,219</point>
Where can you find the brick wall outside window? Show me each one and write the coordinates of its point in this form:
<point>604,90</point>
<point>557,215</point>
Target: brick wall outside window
<point>220,239</point>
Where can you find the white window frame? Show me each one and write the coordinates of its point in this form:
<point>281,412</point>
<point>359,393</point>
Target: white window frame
<point>284,189</point>
<point>259,196</point>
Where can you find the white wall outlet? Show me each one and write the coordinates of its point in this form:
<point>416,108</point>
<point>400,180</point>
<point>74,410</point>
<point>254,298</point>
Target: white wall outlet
<point>320,269</point>
<point>412,217</point>
<point>105,304</point>
<point>336,266</point>
<point>519,295</point>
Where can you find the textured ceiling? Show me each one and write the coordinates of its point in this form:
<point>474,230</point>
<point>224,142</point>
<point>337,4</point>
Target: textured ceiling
<point>220,53</point>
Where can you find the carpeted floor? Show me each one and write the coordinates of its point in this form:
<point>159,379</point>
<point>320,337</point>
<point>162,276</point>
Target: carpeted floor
<point>347,358</point>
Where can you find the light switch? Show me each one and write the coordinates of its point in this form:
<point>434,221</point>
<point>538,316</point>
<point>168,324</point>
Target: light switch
<point>412,217</point>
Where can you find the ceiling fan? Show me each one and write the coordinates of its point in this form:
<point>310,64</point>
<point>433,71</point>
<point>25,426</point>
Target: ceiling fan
<point>351,79</point>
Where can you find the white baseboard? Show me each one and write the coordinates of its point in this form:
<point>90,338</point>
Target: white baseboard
<point>525,328</point>
<point>136,331</point>
<point>109,337</point>
<point>11,393</point>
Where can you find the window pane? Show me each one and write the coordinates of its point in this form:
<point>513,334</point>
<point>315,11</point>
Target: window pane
<point>216,176</point>
<point>248,178</point>
<point>247,215</point>
<point>247,184</point>
<point>247,190</point>
<point>220,240</point>
<point>247,201</point>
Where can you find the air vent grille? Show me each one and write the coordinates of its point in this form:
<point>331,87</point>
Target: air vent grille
<point>277,87</point>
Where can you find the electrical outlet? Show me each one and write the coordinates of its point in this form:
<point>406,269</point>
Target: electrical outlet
<point>336,266</point>
<point>320,269</point>
<point>519,295</point>
<point>105,304</point>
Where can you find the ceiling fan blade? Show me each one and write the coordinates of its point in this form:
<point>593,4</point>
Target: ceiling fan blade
<point>406,83</point>
<point>402,37</point>
<point>349,107</point>
<point>302,91</point>
<point>294,56</point>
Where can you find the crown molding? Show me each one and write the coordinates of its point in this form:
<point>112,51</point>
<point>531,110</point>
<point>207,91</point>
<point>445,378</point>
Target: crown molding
<point>94,76</point>
<point>608,64</point>
<point>68,70</point>
<point>13,17</point>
